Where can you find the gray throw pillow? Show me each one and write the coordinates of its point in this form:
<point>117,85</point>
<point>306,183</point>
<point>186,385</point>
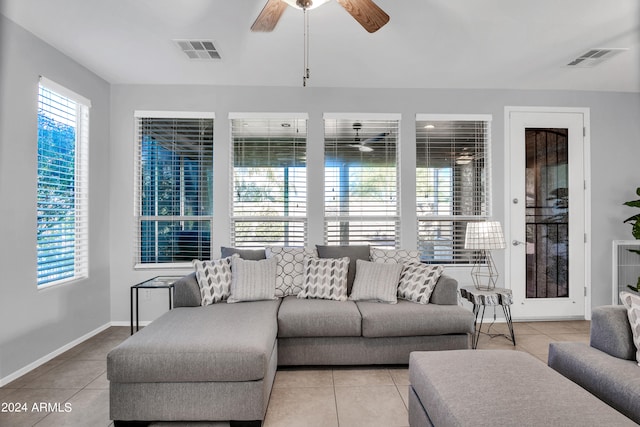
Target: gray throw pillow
<point>252,280</point>
<point>376,282</point>
<point>252,254</point>
<point>353,252</point>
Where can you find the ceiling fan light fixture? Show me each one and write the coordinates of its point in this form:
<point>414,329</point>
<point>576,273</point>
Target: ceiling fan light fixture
<point>365,149</point>
<point>305,4</point>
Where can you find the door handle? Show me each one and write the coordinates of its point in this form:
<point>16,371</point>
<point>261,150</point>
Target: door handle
<point>517,243</point>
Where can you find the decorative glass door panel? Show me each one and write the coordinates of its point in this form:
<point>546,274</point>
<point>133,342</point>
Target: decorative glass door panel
<point>547,213</point>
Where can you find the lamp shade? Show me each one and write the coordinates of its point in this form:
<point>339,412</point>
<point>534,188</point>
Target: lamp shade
<point>484,235</point>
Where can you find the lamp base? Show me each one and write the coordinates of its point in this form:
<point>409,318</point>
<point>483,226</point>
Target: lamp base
<point>484,276</point>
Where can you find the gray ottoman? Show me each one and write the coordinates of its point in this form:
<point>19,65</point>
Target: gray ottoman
<point>498,388</point>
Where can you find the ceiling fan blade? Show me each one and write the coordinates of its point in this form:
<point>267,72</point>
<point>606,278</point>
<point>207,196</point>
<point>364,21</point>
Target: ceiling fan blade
<point>367,13</point>
<point>268,18</point>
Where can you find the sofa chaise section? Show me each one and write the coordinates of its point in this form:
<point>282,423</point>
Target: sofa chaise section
<point>173,368</point>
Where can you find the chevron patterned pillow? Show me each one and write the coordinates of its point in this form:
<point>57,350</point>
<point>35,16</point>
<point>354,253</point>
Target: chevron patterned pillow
<point>214,279</point>
<point>417,281</point>
<point>632,303</point>
<point>290,268</point>
<point>325,278</point>
<point>376,282</point>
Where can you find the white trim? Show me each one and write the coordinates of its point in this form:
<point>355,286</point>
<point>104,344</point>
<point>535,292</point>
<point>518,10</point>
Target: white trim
<point>174,114</point>
<point>362,116</point>
<point>61,90</point>
<point>267,116</point>
<point>44,359</point>
<point>586,112</point>
<point>459,117</point>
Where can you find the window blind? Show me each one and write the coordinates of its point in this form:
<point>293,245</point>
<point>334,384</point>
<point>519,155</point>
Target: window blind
<point>361,184</point>
<point>269,181</point>
<point>452,183</point>
<point>174,187</point>
<point>62,186</point>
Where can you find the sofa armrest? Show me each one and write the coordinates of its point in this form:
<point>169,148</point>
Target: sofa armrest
<point>445,291</point>
<point>186,292</point>
<point>611,332</point>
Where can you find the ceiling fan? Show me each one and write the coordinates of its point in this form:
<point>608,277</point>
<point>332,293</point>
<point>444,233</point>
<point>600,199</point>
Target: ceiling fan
<point>366,12</point>
<point>362,145</point>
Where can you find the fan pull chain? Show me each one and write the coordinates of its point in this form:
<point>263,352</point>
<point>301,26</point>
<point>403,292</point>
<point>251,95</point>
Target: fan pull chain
<point>306,74</point>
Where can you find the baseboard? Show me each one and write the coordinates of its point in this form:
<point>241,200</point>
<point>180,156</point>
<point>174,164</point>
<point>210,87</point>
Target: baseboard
<point>128,323</point>
<point>44,359</point>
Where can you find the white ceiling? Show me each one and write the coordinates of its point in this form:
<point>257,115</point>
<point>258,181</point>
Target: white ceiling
<point>505,44</point>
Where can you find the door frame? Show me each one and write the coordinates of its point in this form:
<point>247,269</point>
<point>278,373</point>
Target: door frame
<point>587,192</point>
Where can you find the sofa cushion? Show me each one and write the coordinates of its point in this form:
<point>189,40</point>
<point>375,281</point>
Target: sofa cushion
<point>249,254</point>
<point>325,278</point>
<point>219,342</point>
<point>318,318</point>
<point>611,332</point>
<point>406,319</point>
<point>252,280</point>
<point>289,268</point>
<point>353,252</point>
<point>614,381</point>
<point>376,282</point>
<point>418,281</point>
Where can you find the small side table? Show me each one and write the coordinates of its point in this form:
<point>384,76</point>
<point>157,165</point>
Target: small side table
<point>482,299</point>
<point>159,282</point>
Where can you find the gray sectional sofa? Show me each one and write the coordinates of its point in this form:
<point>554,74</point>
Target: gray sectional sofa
<point>607,367</point>
<point>218,362</point>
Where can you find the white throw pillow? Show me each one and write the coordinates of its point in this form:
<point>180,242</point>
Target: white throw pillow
<point>417,281</point>
<point>632,303</point>
<point>214,279</point>
<point>394,256</point>
<point>290,268</point>
<point>325,278</point>
<point>376,282</point>
<point>252,280</point>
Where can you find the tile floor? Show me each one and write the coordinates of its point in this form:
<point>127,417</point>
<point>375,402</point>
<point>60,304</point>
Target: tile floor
<point>324,397</point>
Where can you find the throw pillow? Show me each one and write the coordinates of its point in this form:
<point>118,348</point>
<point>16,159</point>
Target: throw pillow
<point>214,279</point>
<point>289,269</point>
<point>417,281</point>
<point>394,256</point>
<point>252,254</point>
<point>376,282</point>
<point>325,278</point>
<point>252,280</point>
<point>632,303</point>
<point>353,252</point>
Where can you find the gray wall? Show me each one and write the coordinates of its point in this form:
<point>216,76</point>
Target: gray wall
<point>35,323</point>
<point>615,148</point>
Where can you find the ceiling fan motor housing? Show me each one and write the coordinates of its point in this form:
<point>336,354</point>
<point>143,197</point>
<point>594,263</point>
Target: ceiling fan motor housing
<point>305,4</point>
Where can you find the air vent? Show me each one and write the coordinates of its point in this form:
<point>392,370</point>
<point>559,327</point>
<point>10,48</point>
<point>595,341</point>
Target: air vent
<point>594,57</point>
<point>199,49</point>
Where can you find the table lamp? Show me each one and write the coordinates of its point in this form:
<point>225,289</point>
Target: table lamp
<point>483,237</point>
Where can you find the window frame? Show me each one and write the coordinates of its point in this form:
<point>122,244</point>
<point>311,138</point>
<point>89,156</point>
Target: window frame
<point>139,217</point>
<point>80,184</point>
<point>459,255</point>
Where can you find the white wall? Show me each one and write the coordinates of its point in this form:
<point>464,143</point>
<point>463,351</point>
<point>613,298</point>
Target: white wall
<point>34,323</point>
<point>615,148</point>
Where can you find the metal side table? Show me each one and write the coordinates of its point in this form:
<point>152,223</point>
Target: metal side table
<point>483,298</point>
<point>159,282</point>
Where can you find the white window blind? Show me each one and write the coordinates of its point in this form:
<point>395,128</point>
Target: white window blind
<point>361,181</point>
<point>63,182</point>
<point>269,181</point>
<point>452,183</point>
<point>174,187</point>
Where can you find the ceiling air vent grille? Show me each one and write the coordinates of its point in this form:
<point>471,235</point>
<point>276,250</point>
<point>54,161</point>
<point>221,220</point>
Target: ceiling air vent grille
<point>594,57</point>
<point>199,49</point>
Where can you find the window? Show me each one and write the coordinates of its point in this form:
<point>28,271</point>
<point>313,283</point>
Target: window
<point>269,181</point>
<point>62,196</point>
<point>361,180</point>
<point>452,183</point>
<point>174,187</point>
